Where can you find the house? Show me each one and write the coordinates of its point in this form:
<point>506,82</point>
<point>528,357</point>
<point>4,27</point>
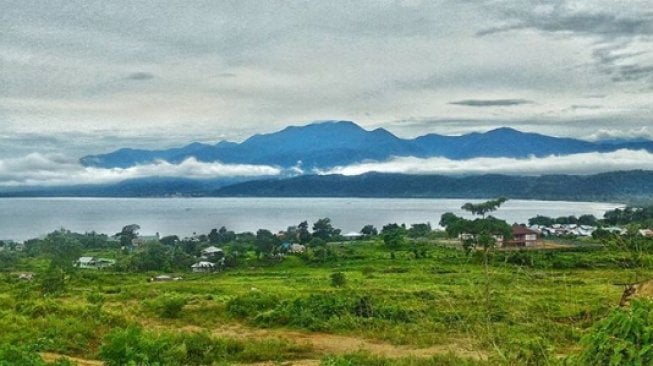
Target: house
<point>202,267</point>
<point>212,252</point>
<point>26,276</point>
<point>498,239</point>
<point>142,239</point>
<point>353,235</point>
<point>94,263</point>
<point>648,233</point>
<point>161,278</point>
<point>615,230</point>
<point>523,237</point>
<point>297,248</point>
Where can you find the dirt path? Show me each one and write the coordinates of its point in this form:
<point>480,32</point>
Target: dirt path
<point>51,357</point>
<point>322,344</point>
<point>332,344</point>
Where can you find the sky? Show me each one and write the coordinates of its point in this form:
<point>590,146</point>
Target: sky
<point>85,77</point>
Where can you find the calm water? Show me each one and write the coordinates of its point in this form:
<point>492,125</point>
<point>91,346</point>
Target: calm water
<point>23,218</point>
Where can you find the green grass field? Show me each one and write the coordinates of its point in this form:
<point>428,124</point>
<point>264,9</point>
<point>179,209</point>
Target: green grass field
<point>385,310</point>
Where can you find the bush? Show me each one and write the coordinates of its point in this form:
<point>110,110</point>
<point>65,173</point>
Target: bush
<point>167,306</point>
<point>19,355</point>
<point>625,337</point>
<point>133,346</point>
<point>251,303</point>
<point>338,279</point>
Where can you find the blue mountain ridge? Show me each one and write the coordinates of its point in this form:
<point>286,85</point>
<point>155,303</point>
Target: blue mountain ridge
<point>336,143</point>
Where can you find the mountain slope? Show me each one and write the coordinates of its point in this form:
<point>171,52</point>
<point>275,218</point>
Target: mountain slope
<point>628,185</point>
<point>338,143</point>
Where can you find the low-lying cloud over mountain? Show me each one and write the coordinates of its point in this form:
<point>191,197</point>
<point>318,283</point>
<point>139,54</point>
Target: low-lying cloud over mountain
<point>56,170</point>
<point>585,163</point>
<point>336,147</point>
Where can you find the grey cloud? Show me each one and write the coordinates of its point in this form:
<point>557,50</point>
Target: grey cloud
<point>616,28</point>
<point>491,102</point>
<point>140,76</point>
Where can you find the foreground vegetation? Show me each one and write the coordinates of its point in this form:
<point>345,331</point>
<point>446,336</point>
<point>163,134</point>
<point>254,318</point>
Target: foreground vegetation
<point>404,296</point>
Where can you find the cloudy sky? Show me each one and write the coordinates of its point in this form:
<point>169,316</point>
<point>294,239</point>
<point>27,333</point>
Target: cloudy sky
<point>79,77</point>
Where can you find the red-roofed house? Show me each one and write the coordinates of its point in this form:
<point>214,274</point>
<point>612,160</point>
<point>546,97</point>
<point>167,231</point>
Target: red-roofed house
<point>523,237</point>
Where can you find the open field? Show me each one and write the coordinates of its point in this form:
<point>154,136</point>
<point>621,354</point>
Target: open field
<point>432,310</point>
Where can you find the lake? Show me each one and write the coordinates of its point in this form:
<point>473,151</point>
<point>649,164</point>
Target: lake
<point>24,218</point>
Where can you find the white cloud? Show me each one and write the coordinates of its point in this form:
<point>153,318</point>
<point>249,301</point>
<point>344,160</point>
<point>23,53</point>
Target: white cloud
<point>628,134</point>
<point>54,169</point>
<point>587,163</point>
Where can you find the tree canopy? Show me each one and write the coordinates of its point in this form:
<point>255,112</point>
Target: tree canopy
<point>485,207</point>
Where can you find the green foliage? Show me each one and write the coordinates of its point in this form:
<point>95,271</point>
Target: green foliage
<point>419,230</point>
<point>154,257</point>
<point>630,215</point>
<point>323,229</point>
<point>541,220</point>
<point>166,306</point>
<point>11,355</point>
<point>265,242</point>
<point>369,230</point>
<point>484,207</point>
<point>393,238</point>
<point>338,279</point>
<point>133,346</point>
<point>53,281</point>
<point>363,359</point>
<point>251,303</point>
<point>62,250</point>
<point>625,337</point>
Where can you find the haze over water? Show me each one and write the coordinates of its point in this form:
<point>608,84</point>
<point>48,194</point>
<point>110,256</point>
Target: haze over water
<point>24,218</point>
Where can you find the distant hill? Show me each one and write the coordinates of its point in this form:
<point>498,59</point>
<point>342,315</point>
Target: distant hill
<point>620,186</point>
<point>626,186</point>
<point>337,143</point>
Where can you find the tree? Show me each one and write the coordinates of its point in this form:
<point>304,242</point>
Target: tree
<point>154,257</point>
<point>393,239</point>
<point>485,207</point>
<point>482,235</point>
<point>419,230</point>
<point>169,240</point>
<point>541,220</point>
<point>393,227</point>
<point>221,236</point>
<point>265,242</point>
<point>589,220</point>
<point>369,230</point>
<point>303,235</point>
<point>62,250</point>
<point>127,234</point>
<point>447,219</point>
<point>323,229</point>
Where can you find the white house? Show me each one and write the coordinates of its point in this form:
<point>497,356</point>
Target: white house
<point>202,266</point>
<point>142,239</point>
<point>353,235</point>
<point>297,248</point>
<point>211,252</point>
<point>94,263</point>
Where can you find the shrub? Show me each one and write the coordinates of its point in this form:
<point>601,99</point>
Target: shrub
<point>338,279</point>
<point>625,337</point>
<point>251,303</point>
<point>19,355</point>
<point>167,306</point>
<point>133,346</point>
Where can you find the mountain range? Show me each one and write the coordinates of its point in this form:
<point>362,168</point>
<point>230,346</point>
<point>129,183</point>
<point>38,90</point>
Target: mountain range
<point>338,143</point>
